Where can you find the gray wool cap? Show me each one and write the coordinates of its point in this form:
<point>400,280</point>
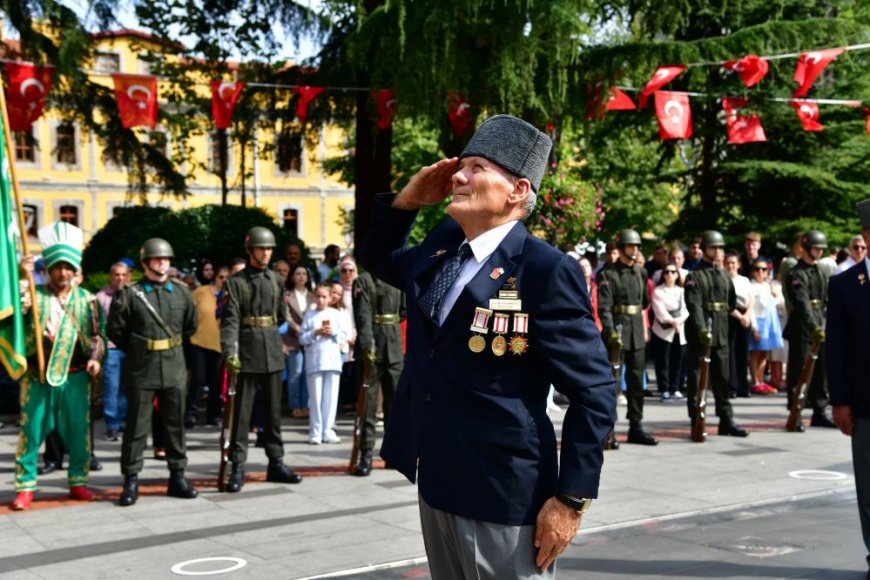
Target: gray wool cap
<point>514,144</point>
<point>863,208</point>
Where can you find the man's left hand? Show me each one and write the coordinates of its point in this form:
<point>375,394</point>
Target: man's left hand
<point>93,367</point>
<point>556,526</point>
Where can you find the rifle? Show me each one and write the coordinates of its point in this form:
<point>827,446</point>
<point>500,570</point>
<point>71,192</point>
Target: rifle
<point>616,371</point>
<point>227,425</point>
<point>699,427</point>
<point>795,422</point>
<point>361,404</point>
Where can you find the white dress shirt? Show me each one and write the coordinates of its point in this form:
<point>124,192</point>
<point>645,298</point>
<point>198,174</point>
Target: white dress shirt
<point>483,247</point>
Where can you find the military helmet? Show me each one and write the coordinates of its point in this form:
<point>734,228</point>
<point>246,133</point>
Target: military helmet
<point>813,239</point>
<point>712,239</point>
<point>626,237</point>
<point>156,248</point>
<point>259,237</point>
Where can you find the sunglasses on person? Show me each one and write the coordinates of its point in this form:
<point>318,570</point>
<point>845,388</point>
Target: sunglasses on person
<point>348,270</point>
<point>669,271</point>
<point>760,269</point>
<point>861,248</point>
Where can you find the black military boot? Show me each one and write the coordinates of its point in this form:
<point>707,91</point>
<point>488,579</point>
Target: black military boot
<point>237,478</point>
<point>729,427</point>
<point>612,444</point>
<point>277,472</point>
<point>364,467</point>
<point>179,486</point>
<point>637,435</point>
<point>130,493</point>
<point>821,419</point>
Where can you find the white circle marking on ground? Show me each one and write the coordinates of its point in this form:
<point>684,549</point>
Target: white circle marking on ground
<point>817,475</point>
<point>179,568</point>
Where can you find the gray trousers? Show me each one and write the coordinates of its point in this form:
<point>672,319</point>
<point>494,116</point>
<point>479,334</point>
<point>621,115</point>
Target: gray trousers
<point>463,549</point>
<point>861,461</point>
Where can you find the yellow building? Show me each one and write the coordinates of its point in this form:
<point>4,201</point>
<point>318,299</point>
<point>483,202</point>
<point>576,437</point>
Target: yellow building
<point>62,174</point>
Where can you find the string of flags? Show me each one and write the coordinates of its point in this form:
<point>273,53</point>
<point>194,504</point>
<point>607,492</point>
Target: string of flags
<point>137,97</point>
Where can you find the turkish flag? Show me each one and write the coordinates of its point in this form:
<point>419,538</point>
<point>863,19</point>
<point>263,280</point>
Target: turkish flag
<point>808,113</point>
<point>674,115</point>
<point>660,78</point>
<point>306,95</point>
<point>731,104</point>
<point>458,113</point>
<point>741,128</point>
<point>750,68</point>
<point>28,86</point>
<point>137,100</point>
<point>224,95</point>
<point>810,65</point>
<point>619,101</point>
<point>385,101</point>
<point>867,118</point>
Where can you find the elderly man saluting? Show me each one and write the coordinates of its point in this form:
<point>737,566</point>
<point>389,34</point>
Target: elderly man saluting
<point>495,316</point>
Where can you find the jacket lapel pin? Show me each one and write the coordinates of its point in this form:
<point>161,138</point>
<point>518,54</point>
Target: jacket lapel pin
<point>496,273</point>
<point>438,253</point>
<point>861,279</point>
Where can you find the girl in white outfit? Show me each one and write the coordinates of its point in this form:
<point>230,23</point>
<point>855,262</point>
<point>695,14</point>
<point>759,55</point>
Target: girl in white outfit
<point>321,334</point>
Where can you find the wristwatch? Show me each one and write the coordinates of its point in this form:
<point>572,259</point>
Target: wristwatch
<point>580,505</point>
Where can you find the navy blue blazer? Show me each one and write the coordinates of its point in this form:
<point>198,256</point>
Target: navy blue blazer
<point>847,343</point>
<point>473,428</point>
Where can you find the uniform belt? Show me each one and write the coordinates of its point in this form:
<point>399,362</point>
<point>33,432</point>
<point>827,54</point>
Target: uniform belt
<point>627,309</point>
<point>163,343</point>
<point>715,306</point>
<point>816,302</point>
<point>258,321</point>
<point>386,319</point>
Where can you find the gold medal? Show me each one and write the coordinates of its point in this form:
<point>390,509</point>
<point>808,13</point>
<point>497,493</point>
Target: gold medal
<point>476,343</point>
<point>499,345</point>
<point>519,345</point>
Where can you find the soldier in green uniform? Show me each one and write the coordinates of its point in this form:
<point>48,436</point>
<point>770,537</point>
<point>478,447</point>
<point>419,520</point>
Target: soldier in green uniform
<point>378,311</point>
<point>149,320</point>
<point>70,321</point>
<point>806,288</point>
<point>252,349</point>
<point>623,296</point>
<point>710,299</point>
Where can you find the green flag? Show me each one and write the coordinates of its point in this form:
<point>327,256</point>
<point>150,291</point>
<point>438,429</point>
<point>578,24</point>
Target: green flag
<point>12,353</point>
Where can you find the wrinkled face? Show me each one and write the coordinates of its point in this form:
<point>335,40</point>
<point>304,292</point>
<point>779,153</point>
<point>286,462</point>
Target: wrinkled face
<point>282,269</point>
<point>62,275</point>
<point>300,277</point>
<point>322,298</point>
<point>293,254</point>
<point>119,276</point>
<point>480,188</point>
<point>858,250</point>
<point>336,291</point>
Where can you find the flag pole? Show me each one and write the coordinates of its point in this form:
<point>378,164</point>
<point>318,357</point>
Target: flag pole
<point>22,229</point>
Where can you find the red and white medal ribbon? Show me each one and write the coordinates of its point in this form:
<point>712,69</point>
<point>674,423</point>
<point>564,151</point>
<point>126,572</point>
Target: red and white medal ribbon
<point>481,320</point>
<point>521,323</point>
<point>500,323</point>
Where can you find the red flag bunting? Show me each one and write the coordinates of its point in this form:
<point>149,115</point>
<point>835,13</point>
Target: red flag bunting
<point>808,113</point>
<point>660,78</point>
<point>306,95</point>
<point>741,128</point>
<point>137,99</point>
<point>674,115</point>
<point>385,101</point>
<point>458,113</point>
<point>867,118</point>
<point>224,95</point>
<point>28,86</point>
<point>750,68</point>
<point>731,104</point>
<point>619,101</point>
<point>810,65</point>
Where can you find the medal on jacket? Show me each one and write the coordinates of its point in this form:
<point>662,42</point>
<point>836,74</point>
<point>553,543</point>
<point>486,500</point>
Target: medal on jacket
<point>479,325</point>
<point>519,342</point>
<point>499,327</point>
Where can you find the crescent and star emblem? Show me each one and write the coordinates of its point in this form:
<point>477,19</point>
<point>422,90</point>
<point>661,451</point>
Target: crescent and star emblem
<point>808,111</point>
<point>662,73</point>
<point>27,83</point>
<point>391,104</point>
<point>814,57</point>
<point>223,86</point>
<point>677,116</point>
<point>741,124</point>
<point>133,89</point>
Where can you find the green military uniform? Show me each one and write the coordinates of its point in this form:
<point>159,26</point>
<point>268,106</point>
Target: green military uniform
<point>806,287</point>
<point>73,334</point>
<point>622,298</point>
<point>154,364</point>
<point>378,311</point>
<point>709,297</point>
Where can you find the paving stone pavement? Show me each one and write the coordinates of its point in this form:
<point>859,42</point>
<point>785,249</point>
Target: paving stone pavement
<point>664,511</point>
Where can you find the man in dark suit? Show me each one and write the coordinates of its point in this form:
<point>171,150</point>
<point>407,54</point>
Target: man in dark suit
<point>495,316</point>
<point>846,347</point>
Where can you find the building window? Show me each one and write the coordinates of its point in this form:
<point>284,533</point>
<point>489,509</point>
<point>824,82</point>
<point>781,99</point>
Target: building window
<point>214,152</point>
<point>31,218</point>
<point>107,62</point>
<point>65,144</point>
<point>69,214</point>
<point>288,155</point>
<point>290,222</point>
<point>25,146</point>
